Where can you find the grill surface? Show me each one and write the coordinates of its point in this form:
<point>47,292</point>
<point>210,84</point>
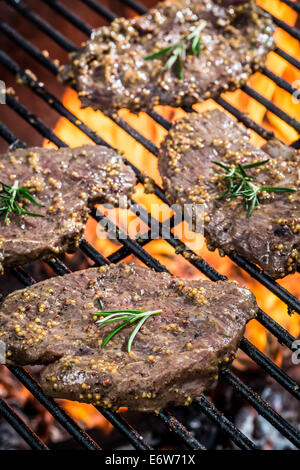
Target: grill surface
<point>136,247</point>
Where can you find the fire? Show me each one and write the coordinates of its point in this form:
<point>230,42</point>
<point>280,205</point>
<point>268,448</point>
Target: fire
<point>145,161</point>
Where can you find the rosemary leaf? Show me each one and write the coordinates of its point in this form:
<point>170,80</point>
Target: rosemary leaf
<point>127,317</point>
<point>191,43</point>
<point>10,198</point>
<point>241,185</point>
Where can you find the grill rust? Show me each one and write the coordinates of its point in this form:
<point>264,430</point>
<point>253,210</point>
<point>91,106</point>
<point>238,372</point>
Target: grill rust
<point>136,247</point>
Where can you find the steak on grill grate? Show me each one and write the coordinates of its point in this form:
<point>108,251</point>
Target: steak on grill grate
<point>110,72</point>
<point>67,182</point>
<point>175,356</point>
<point>271,236</point>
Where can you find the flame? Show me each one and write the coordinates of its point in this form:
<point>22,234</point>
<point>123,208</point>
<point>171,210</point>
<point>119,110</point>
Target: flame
<point>146,162</point>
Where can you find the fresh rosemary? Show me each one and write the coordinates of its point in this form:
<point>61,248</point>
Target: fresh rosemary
<point>127,317</point>
<point>10,198</point>
<point>190,44</point>
<point>241,185</point>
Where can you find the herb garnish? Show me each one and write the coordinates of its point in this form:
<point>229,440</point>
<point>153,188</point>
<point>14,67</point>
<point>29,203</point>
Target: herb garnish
<point>128,317</point>
<point>241,184</point>
<point>11,196</point>
<point>190,44</point>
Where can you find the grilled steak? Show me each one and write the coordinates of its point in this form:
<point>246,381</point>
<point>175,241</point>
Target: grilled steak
<point>66,182</point>
<point>271,236</point>
<point>175,356</point>
<point>110,72</point>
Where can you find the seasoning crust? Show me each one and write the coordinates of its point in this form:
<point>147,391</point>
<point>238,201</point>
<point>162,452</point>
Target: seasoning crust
<point>175,355</point>
<point>271,236</point>
<point>110,71</point>
<point>67,182</point>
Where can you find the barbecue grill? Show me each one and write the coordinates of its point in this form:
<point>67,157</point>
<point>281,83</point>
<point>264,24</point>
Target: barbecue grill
<point>136,246</point>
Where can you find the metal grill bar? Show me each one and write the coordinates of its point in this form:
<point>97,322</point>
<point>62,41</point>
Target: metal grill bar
<point>262,407</point>
<point>267,320</point>
<point>175,426</point>
<point>295,6</point>
<point>58,413</point>
<point>225,424</point>
<point>21,427</point>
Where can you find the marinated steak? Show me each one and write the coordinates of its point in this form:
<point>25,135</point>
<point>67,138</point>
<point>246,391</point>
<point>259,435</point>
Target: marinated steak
<point>110,72</point>
<point>271,236</point>
<point>67,182</point>
<point>174,357</point>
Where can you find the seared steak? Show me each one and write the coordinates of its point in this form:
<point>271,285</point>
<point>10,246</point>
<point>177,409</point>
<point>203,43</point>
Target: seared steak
<point>110,72</point>
<point>67,182</point>
<point>271,236</point>
<point>175,356</point>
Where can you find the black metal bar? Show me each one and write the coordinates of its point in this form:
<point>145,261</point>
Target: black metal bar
<point>292,60</point>
<point>35,122</point>
<point>42,24</point>
<point>224,424</point>
<point>69,15</point>
<point>81,436</point>
<point>279,81</point>
<point>179,430</point>
<point>267,281</point>
<point>140,9</point>
<point>27,46</point>
<point>282,378</point>
<point>272,107</point>
<point>107,14</point>
<point>9,136</point>
<point>294,5</point>
<point>292,30</point>
<point>135,438</point>
<point>50,99</point>
<point>134,247</point>
<point>21,427</point>
<point>263,408</point>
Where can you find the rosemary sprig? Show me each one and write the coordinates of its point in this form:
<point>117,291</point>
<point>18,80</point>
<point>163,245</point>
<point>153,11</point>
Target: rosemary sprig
<point>241,184</point>
<point>11,196</point>
<point>127,317</point>
<point>190,44</point>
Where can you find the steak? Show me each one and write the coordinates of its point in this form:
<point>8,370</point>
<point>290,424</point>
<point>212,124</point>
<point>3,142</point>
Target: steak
<point>67,182</point>
<point>110,71</point>
<point>174,357</point>
<point>271,236</point>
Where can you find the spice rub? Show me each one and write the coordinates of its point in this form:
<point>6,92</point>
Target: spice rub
<point>66,183</point>
<point>175,355</point>
<point>270,237</point>
<point>110,71</point>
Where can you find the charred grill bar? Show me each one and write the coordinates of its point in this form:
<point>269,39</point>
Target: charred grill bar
<point>135,247</point>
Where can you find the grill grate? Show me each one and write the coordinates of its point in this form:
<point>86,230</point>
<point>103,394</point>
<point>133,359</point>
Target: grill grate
<point>134,247</point>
